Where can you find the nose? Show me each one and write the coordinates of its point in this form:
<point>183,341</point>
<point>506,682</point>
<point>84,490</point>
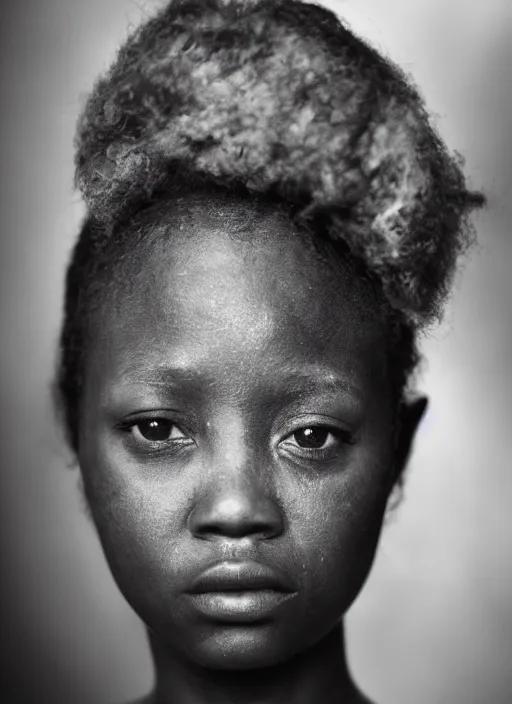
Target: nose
<point>236,505</point>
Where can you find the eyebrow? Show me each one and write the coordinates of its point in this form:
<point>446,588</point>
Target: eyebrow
<point>320,375</point>
<point>160,376</point>
<point>313,377</point>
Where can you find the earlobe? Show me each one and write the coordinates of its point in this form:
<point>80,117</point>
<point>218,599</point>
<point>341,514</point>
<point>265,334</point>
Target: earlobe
<point>410,415</point>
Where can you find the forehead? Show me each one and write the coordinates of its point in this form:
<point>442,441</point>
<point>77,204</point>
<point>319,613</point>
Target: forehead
<point>237,285</point>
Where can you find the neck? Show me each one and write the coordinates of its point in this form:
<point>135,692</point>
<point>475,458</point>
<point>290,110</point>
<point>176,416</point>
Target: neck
<point>319,675</point>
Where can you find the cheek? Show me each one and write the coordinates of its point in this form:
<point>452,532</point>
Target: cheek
<point>138,516</point>
<point>337,528</point>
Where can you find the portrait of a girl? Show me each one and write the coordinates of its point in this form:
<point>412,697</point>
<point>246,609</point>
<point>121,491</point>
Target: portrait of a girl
<point>271,222</point>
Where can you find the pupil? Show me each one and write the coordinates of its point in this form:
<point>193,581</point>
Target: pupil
<point>155,429</point>
<point>311,437</point>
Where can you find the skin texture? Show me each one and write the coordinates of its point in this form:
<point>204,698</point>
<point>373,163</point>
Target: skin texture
<point>234,334</point>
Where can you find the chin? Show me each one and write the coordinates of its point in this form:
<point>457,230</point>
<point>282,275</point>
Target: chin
<point>241,648</point>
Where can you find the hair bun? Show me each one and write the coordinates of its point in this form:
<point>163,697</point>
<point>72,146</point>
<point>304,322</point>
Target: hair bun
<point>281,97</point>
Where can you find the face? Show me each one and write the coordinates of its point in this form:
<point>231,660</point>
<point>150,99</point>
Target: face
<point>236,437</point>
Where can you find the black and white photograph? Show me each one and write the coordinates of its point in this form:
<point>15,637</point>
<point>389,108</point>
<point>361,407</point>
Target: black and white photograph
<point>256,351</point>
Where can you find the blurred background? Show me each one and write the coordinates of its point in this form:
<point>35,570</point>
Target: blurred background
<point>434,622</point>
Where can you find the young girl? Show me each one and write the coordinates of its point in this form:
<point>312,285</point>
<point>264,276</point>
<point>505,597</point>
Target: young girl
<point>271,220</point>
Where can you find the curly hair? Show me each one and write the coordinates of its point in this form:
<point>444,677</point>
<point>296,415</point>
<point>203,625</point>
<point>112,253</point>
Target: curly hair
<point>276,99</point>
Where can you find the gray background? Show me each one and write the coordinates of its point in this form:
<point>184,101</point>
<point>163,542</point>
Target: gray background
<point>434,623</point>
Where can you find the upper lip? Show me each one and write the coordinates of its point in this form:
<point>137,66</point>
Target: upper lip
<point>240,576</point>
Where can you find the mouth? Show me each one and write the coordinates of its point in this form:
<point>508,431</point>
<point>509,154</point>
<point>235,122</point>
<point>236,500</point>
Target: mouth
<point>242,592</point>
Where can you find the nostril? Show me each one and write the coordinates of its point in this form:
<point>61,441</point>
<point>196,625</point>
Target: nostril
<point>235,516</point>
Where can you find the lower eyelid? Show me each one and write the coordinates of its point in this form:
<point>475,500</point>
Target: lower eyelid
<point>147,448</point>
<point>312,449</point>
<point>313,457</point>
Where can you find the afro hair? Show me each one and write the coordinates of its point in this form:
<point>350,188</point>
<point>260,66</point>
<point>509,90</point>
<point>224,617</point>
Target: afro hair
<point>280,97</point>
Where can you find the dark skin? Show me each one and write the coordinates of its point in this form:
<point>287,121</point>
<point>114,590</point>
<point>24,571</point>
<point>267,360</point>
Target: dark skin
<point>237,407</point>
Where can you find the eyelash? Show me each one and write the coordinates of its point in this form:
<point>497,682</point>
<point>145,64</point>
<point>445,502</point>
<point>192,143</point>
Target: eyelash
<point>316,454</point>
<point>156,446</point>
<point>340,439</point>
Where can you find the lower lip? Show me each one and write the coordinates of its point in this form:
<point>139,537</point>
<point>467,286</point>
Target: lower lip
<point>244,607</point>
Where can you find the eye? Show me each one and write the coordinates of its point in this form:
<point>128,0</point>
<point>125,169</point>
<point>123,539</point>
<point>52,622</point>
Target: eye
<point>156,433</point>
<point>314,437</point>
<point>317,442</point>
<point>157,430</point>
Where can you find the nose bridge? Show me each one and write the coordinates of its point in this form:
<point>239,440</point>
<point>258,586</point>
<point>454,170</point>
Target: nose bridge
<point>236,461</point>
<point>237,498</point>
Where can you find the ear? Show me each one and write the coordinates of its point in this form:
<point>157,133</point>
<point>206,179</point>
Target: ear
<point>410,413</point>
